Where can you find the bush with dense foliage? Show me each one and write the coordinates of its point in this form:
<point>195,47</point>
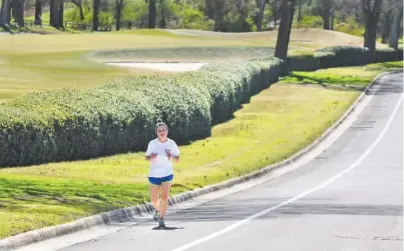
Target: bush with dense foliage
<point>118,117</point>
<point>338,56</point>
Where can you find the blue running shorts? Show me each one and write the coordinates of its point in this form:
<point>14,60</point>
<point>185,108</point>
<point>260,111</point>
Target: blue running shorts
<point>158,181</point>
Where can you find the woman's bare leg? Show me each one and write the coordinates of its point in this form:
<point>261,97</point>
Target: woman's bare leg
<point>154,196</point>
<point>165,187</point>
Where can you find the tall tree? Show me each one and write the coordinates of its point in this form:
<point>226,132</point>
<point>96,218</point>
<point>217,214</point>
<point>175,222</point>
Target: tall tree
<point>56,13</point>
<point>119,6</point>
<point>18,11</point>
<point>396,27</point>
<point>163,14</point>
<point>386,22</point>
<point>324,9</point>
<point>96,11</point>
<point>275,11</point>
<point>282,42</point>
<point>216,10</point>
<point>38,12</point>
<point>299,12</point>
<point>61,13</point>
<point>53,13</point>
<point>152,15</point>
<point>79,4</point>
<point>242,7</point>
<point>332,15</point>
<point>209,9</point>
<point>260,15</point>
<point>371,12</point>
<point>386,18</point>
<point>348,8</point>
<point>5,13</point>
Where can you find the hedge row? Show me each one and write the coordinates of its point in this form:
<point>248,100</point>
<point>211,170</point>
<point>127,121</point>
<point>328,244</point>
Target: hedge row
<point>62,125</point>
<point>120,116</point>
<point>339,56</point>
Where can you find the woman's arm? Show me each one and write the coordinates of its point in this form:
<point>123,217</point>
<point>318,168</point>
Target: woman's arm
<point>175,154</point>
<point>149,152</point>
<point>176,158</point>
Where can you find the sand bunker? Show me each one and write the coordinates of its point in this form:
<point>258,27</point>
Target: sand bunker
<point>173,67</point>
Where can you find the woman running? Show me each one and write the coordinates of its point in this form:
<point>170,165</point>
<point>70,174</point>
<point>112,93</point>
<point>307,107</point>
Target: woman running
<point>160,153</point>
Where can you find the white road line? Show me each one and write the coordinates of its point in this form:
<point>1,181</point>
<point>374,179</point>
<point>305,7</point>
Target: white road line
<point>322,185</point>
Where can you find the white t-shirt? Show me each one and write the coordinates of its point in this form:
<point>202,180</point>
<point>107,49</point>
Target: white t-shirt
<point>161,166</point>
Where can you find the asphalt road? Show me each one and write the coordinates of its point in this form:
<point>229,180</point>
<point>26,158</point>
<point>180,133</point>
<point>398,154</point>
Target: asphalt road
<point>348,198</point>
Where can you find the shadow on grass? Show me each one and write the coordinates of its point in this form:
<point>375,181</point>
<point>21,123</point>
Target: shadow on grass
<point>387,66</point>
<point>329,81</point>
<point>18,194</point>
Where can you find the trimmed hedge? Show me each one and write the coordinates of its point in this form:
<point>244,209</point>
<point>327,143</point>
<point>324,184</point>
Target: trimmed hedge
<point>118,117</point>
<point>339,56</point>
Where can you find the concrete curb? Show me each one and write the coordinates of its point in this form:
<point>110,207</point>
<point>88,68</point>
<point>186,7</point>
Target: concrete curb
<point>125,214</point>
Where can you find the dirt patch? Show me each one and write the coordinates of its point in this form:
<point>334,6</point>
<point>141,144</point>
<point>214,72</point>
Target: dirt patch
<point>171,67</point>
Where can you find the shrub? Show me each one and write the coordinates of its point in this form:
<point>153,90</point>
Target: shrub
<point>63,125</point>
<point>339,56</point>
<point>118,117</point>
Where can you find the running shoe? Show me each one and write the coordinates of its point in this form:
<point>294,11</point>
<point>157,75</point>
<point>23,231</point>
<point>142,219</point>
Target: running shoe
<point>161,223</point>
<point>156,215</point>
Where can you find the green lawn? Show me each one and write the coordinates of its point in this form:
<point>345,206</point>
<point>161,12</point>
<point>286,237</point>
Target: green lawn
<point>31,62</point>
<point>278,122</point>
<point>34,62</point>
<point>275,124</point>
<point>352,77</point>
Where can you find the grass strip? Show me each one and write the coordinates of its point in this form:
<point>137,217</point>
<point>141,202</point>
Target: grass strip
<point>275,124</point>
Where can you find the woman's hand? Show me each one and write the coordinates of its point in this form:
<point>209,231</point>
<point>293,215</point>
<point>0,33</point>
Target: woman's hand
<point>170,156</point>
<point>151,157</point>
<point>168,153</point>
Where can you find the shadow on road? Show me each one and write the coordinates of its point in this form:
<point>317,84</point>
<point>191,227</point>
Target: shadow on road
<point>240,209</point>
<point>167,228</point>
<point>388,85</point>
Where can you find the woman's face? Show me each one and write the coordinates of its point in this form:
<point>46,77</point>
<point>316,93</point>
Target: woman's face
<point>162,132</point>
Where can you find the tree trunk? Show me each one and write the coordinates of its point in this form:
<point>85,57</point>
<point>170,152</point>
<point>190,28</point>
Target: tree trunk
<point>299,13</point>
<point>243,13</point>
<point>282,42</point>
<point>386,27</point>
<point>38,12</point>
<point>79,4</point>
<point>54,13</point>
<point>261,5</point>
<point>18,11</point>
<point>96,10</point>
<point>61,9</point>
<point>326,21</point>
<point>119,4</point>
<point>371,14</point>
<point>81,12</point>
<point>162,22</point>
<point>370,34</point>
<point>324,8</point>
<point>151,24</point>
<point>220,10</point>
<point>275,14</point>
<point>395,29</point>
<point>209,9</point>
<point>5,13</point>
<point>332,15</point>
